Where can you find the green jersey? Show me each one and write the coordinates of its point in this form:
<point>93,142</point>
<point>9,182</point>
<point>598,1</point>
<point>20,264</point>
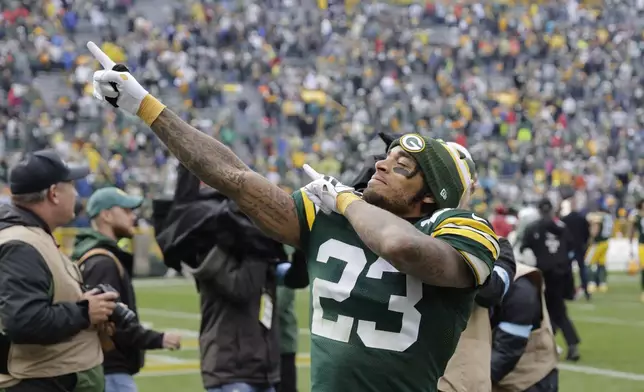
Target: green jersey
<point>637,221</point>
<point>374,329</point>
<point>605,229</point>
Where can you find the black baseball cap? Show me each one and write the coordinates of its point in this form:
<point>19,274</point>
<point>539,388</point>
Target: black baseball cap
<point>545,205</point>
<point>39,170</point>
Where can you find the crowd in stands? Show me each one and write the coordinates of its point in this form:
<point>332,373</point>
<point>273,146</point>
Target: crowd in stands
<point>549,98</point>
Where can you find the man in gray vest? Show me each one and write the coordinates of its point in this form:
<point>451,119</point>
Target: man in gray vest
<point>50,327</point>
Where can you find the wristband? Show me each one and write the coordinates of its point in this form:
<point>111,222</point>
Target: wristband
<point>344,200</point>
<point>150,109</point>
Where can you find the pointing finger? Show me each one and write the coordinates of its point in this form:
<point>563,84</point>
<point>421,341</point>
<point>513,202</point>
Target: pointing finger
<point>311,172</point>
<point>99,55</point>
<point>110,76</point>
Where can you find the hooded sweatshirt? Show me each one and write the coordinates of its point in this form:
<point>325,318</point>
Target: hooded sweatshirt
<point>129,342</point>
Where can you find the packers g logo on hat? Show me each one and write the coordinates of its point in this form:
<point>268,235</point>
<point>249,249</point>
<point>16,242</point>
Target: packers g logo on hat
<point>412,142</point>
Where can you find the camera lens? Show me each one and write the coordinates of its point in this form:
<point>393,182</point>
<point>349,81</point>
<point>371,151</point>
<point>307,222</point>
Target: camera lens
<point>122,316</point>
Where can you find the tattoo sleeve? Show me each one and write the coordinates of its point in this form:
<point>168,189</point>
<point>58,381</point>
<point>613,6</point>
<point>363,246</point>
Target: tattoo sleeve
<point>271,208</point>
<point>409,250</point>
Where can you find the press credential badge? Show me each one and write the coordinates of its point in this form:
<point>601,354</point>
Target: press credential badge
<point>266,310</point>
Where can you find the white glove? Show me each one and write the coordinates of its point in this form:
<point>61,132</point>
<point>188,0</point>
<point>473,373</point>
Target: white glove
<point>129,93</point>
<point>329,194</point>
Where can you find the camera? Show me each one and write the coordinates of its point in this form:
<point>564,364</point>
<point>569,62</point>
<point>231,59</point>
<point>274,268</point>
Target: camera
<point>122,316</point>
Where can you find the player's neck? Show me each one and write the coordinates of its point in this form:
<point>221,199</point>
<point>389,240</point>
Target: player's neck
<point>418,212</point>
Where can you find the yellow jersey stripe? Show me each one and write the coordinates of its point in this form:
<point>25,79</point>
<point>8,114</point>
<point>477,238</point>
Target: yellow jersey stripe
<point>463,169</point>
<point>309,210</point>
<point>471,264</point>
<point>492,238</point>
<point>467,222</point>
<point>479,267</point>
<point>471,234</point>
<point>456,160</point>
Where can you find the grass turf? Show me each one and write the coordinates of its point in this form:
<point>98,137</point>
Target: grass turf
<point>611,327</point>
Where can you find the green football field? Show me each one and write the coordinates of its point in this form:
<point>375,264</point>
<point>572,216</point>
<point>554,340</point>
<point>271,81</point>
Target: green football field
<point>611,327</point>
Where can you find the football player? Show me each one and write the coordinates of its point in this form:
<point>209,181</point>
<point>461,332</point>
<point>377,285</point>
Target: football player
<point>601,230</point>
<point>636,229</point>
<point>468,369</point>
<point>393,271</point>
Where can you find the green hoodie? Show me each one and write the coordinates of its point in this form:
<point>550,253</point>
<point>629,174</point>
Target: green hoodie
<point>286,313</point>
<point>288,321</point>
<point>88,239</point>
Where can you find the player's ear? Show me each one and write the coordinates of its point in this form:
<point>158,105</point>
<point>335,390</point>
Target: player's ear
<point>428,199</point>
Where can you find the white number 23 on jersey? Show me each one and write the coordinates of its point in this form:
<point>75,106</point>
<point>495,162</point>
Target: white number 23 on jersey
<point>340,330</point>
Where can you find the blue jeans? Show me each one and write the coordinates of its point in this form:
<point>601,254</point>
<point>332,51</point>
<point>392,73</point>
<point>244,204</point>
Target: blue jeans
<point>119,382</point>
<point>240,387</point>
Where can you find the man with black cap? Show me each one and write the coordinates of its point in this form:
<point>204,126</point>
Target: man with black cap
<point>50,328</point>
<point>553,247</point>
<point>394,270</point>
<point>102,261</point>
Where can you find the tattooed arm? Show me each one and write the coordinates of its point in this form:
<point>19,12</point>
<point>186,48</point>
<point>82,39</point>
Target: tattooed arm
<point>271,208</point>
<point>412,252</point>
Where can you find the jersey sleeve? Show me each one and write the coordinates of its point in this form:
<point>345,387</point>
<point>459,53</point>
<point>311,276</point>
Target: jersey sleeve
<point>474,238</point>
<point>306,213</point>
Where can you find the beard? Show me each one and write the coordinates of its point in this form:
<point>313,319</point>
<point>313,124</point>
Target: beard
<point>123,232</point>
<point>397,206</point>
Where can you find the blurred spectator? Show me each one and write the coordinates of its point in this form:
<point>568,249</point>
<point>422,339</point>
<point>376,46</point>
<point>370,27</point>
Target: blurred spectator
<point>547,98</point>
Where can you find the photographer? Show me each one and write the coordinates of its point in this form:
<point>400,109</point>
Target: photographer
<point>524,353</point>
<point>102,262</point>
<point>50,339</point>
<point>234,266</point>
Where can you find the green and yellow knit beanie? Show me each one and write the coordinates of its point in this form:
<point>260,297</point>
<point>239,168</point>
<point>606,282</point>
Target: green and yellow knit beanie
<point>446,173</point>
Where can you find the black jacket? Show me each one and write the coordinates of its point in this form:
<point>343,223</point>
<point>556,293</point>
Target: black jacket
<point>128,355</point>
<point>500,279</point>
<point>521,306</point>
<point>234,265</point>
<point>552,245</point>
<point>235,346</point>
<point>579,231</point>
<point>199,218</point>
<point>26,309</point>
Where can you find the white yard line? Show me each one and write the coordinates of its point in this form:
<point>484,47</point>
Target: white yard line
<point>583,306</point>
<point>305,331</point>
<point>186,333</point>
<point>601,372</point>
<point>608,321</point>
<point>614,300</point>
<point>170,314</point>
<point>612,278</point>
<point>165,358</point>
<point>175,281</point>
<point>163,282</point>
<point>305,364</point>
<point>165,373</point>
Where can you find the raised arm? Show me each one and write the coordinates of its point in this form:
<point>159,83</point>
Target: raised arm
<point>267,205</point>
<point>271,208</point>
<point>412,252</point>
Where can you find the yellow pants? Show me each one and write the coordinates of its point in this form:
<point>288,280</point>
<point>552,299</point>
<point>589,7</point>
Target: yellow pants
<point>640,255</point>
<point>596,254</point>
